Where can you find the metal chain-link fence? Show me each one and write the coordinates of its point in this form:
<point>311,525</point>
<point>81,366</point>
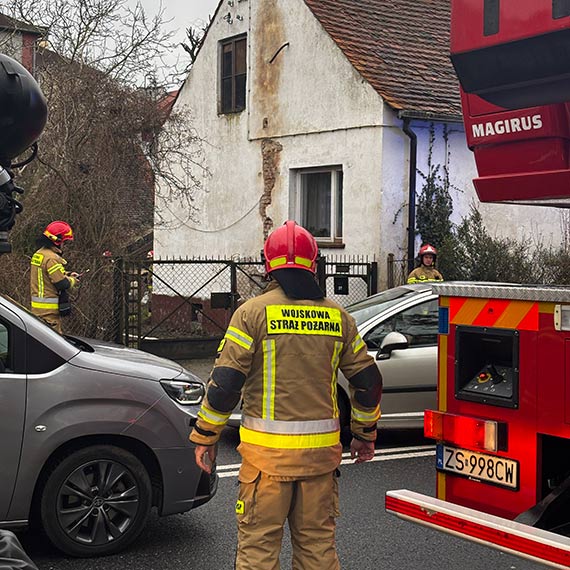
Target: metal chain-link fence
<point>189,297</point>
<point>96,302</point>
<point>349,279</point>
<point>128,301</point>
<point>396,271</point>
<point>181,298</point>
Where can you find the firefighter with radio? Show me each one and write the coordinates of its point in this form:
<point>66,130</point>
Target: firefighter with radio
<point>281,353</point>
<point>50,283</point>
<point>427,271</point>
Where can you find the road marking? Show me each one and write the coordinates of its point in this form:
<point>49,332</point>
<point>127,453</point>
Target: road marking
<point>390,454</point>
<point>390,450</point>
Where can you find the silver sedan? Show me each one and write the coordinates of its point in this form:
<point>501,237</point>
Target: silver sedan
<point>399,327</point>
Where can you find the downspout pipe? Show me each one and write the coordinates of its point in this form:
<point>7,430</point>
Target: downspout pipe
<point>411,191</point>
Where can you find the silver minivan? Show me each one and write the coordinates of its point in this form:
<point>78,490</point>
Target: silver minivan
<point>93,435</point>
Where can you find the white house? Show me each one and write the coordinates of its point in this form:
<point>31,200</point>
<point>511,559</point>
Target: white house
<point>20,41</point>
<point>302,106</point>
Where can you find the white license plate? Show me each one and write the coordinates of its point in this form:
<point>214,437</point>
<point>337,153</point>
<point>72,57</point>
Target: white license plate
<point>479,466</point>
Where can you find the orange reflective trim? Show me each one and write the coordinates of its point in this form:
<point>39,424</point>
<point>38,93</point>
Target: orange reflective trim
<point>498,313</point>
<point>491,312</point>
<point>546,308</point>
<point>519,315</point>
<point>464,311</point>
<point>440,484</point>
<point>442,377</point>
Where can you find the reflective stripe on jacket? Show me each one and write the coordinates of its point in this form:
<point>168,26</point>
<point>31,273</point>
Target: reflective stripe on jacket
<point>287,353</point>
<point>424,274</point>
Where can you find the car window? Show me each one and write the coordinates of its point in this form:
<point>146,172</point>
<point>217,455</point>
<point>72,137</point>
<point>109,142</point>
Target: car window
<point>419,324</point>
<point>39,358</point>
<point>4,348</point>
<point>372,306</point>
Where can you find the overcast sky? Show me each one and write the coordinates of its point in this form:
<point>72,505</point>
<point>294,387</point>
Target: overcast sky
<point>182,13</point>
<point>179,14</point>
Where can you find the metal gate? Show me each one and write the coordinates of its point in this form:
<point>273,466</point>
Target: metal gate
<point>396,271</point>
<point>190,298</point>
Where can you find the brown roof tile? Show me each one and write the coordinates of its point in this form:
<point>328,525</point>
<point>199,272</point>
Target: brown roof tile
<point>401,47</point>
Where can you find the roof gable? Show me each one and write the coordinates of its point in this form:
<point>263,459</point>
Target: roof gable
<point>8,23</point>
<point>401,47</point>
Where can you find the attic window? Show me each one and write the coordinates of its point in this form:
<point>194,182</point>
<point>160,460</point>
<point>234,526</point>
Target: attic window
<point>233,72</point>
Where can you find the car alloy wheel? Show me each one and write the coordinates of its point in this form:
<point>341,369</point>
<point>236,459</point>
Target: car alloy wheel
<point>98,498</point>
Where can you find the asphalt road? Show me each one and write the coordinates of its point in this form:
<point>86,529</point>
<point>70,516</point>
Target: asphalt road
<point>368,538</point>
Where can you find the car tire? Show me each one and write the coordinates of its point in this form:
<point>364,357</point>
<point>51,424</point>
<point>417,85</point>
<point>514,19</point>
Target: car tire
<point>96,501</point>
<point>344,416</point>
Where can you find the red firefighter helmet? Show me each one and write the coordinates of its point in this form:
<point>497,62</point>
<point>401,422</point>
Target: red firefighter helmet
<point>58,232</point>
<point>428,249</point>
<point>290,246</point>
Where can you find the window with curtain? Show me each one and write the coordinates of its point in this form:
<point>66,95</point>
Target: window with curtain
<point>319,202</point>
<point>233,70</point>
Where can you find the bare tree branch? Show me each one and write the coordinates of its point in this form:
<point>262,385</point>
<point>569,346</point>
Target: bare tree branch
<point>108,143</point>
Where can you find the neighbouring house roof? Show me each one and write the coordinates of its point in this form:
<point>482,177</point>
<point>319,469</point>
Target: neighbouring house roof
<point>166,103</point>
<point>401,47</point>
<point>8,23</point>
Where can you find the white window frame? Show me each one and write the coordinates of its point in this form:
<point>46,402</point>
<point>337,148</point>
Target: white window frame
<point>336,172</point>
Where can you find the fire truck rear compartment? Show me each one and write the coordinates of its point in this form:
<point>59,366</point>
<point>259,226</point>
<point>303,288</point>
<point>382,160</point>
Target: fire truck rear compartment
<point>487,365</point>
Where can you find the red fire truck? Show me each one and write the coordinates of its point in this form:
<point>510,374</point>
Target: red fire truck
<point>503,421</point>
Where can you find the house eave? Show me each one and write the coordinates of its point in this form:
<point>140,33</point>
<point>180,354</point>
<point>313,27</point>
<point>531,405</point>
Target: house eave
<point>429,116</point>
<point>9,24</point>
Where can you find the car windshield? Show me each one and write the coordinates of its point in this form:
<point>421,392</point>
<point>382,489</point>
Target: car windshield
<point>368,308</point>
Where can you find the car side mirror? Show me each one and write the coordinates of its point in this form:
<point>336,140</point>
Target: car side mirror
<point>392,341</point>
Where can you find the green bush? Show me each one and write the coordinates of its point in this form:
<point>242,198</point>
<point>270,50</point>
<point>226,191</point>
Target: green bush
<point>470,253</point>
<point>467,252</point>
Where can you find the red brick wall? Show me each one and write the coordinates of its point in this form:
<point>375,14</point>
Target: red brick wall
<point>28,51</point>
<point>184,319</point>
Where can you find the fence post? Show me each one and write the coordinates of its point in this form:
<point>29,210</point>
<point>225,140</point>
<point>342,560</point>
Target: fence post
<point>139,304</point>
<point>233,287</point>
<point>118,302</point>
<point>390,271</point>
<point>373,278</point>
<point>127,307</point>
<point>322,273</point>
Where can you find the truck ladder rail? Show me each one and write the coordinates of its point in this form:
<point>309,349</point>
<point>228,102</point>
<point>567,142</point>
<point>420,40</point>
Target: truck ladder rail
<point>525,541</point>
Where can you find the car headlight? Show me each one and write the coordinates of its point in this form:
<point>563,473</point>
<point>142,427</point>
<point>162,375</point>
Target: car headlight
<point>184,392</point>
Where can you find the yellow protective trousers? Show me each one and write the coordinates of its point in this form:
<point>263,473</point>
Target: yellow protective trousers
<point>264,504</point>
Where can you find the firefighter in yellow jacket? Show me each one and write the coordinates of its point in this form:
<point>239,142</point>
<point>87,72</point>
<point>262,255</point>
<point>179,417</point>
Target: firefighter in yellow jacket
<point>49,281</point>
<point>281,353</point>
<point>426,272</point>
